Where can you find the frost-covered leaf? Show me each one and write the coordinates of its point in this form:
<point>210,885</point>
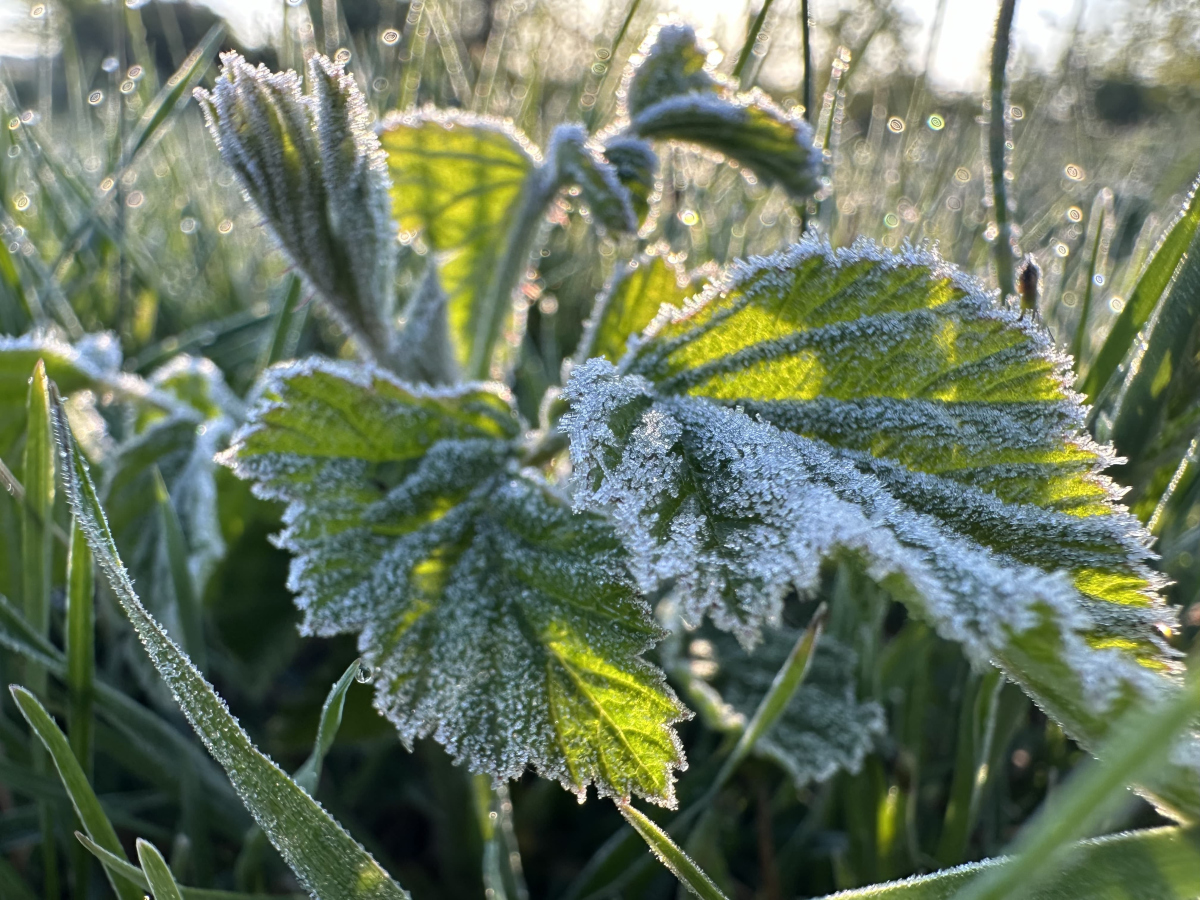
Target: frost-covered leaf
<point>425,347</point>
<point>579,161</point>
<point>637,168</point>
<point>496,620</point>
<point>821,402</point>
<point>629,302</point>
<point>673,92</point>
<point>180,446</point>
<point>312,166</point>
<point>823,730</point>
<point>457,181</point>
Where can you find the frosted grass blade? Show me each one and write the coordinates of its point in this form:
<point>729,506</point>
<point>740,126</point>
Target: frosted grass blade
<point>189,612</point>
<point>1142,739</point>
<point>326,859</point>
<point>81,668</point>
<point>1150,288</point>
<point>157,872</point>
<point>83,798</point>
<point>1153,864</point>
<point>670,855</point>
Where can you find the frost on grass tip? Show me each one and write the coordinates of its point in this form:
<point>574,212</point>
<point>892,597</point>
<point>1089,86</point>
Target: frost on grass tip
<point>495,619</point>
<point>313,168</point>
<point>883,408</point>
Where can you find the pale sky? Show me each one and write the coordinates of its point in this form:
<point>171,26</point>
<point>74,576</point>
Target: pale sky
<point>1042,27</point>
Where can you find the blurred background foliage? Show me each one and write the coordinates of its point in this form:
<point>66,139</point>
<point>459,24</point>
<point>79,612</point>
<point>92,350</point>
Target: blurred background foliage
<point>115,219</point>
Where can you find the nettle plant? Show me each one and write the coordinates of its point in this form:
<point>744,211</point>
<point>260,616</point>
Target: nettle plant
<point>710,454</point>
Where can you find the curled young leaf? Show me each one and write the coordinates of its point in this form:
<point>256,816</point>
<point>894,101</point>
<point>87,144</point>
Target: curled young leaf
<point>576,160</point>
<point>672,92</point>
<point>495,619</point>
<point>637,168</point>
<point>820,402</point>
<point>313,168</point>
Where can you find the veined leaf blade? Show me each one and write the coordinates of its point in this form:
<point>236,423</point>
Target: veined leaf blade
<point>158,873</point>
<point>326,859</point>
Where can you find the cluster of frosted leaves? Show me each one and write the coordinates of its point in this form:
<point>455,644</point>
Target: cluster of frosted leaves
<point>181,446</point>
<point>457,180</point>
<point>824,730</point>
<point>496,620</point>
<point>313,167</point>
<point>820,402</point>
<point>629,302</point>
<point>672,91</point>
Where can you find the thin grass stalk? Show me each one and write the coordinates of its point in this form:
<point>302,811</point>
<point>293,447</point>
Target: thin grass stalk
<point>595,111</point>
<point>999,135</point>
<point>806,85</point>
<point>81,672</point>
<point>752,33</point>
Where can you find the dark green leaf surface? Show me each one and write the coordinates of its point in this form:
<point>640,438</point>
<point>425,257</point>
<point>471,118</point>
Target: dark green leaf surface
<point>822,402</point>
<point>492,617</point>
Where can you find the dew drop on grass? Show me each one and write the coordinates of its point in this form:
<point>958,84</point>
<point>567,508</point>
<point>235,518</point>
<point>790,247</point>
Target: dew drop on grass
<point>95,98</point>
<point>390,36</point>
<point>365,674</point>
<point>1075,214</point>
<point>895,124</point>
<point>936,122</point>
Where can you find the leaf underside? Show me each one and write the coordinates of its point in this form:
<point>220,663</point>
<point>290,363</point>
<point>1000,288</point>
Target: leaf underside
<point>497,620</point>
<point>818,403</point>
<point>456,181</point>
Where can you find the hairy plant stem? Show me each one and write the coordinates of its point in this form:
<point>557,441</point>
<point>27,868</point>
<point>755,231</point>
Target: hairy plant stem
<point>539,190</point>
<point>999,135</point>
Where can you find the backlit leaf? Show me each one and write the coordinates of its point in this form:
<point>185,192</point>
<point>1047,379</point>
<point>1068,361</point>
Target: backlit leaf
<point>628,304</point>
<point>493,618</point>
<point>457,181</point>
<point>820,402</point>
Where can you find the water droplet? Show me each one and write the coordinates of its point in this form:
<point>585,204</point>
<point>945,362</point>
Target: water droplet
<point>110,64</point>
<point>95,98</point>
<point>342,56</point>
<point>688,217</point>
<point>364,675</point>
<point>1074,172</point>
<point>390,36</point>
<point>380,85</point>
<point>135,72</point>
<point>187,224</point>
<point>14,123</point>
<point>37,10</point>
<point>21,202</point>
<point>1116,304</point>
<point>891,220</point>
<point>127,86</point>
<point>106,185</point>
<point>1075,214</point>
<point>1062,249</point>
<point>936,122</point>
<point>135,199</point>
<point>962,174</point>
<point>225,227</point>
<point>1017,113</point>
<point>895,124</point>
<point>1098,279</point>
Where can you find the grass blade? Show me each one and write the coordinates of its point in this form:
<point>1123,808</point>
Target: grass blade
<point>81,670</point>
<point>122,867</point>
<point>157,872</point>
<point>177,88</point>
<point>1163,863</point>
<point>681,865</point>
<point>309,774</point>
<point>37,550</point>
<point>1099,224</point>
<point>999,137</point>
<point>188,605</point>
<point>326,859</point>
<point>1146,736</point>
<point>1147,293</point>
<point>83,798</point>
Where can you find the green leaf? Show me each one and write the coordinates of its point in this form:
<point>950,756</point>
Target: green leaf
<point>158,873</point>
<point>672,93</point>
<point>326,860</point>
<point>823,729</point>
<point>83,798</point>
<point>492,617</point>
<point>457,181</point>
<point>819,403</point>
<point>309,774</point>
<point>579,160</point>
<point>119,866</point>
<point>681,865</point>
<point>1144,299</point>
<point>629,302</point>
<point>1154,864</point>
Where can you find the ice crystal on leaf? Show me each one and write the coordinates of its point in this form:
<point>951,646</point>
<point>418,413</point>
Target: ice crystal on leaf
<point>824,729</point>
<point>496,619</point>
<point>818,403</point>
